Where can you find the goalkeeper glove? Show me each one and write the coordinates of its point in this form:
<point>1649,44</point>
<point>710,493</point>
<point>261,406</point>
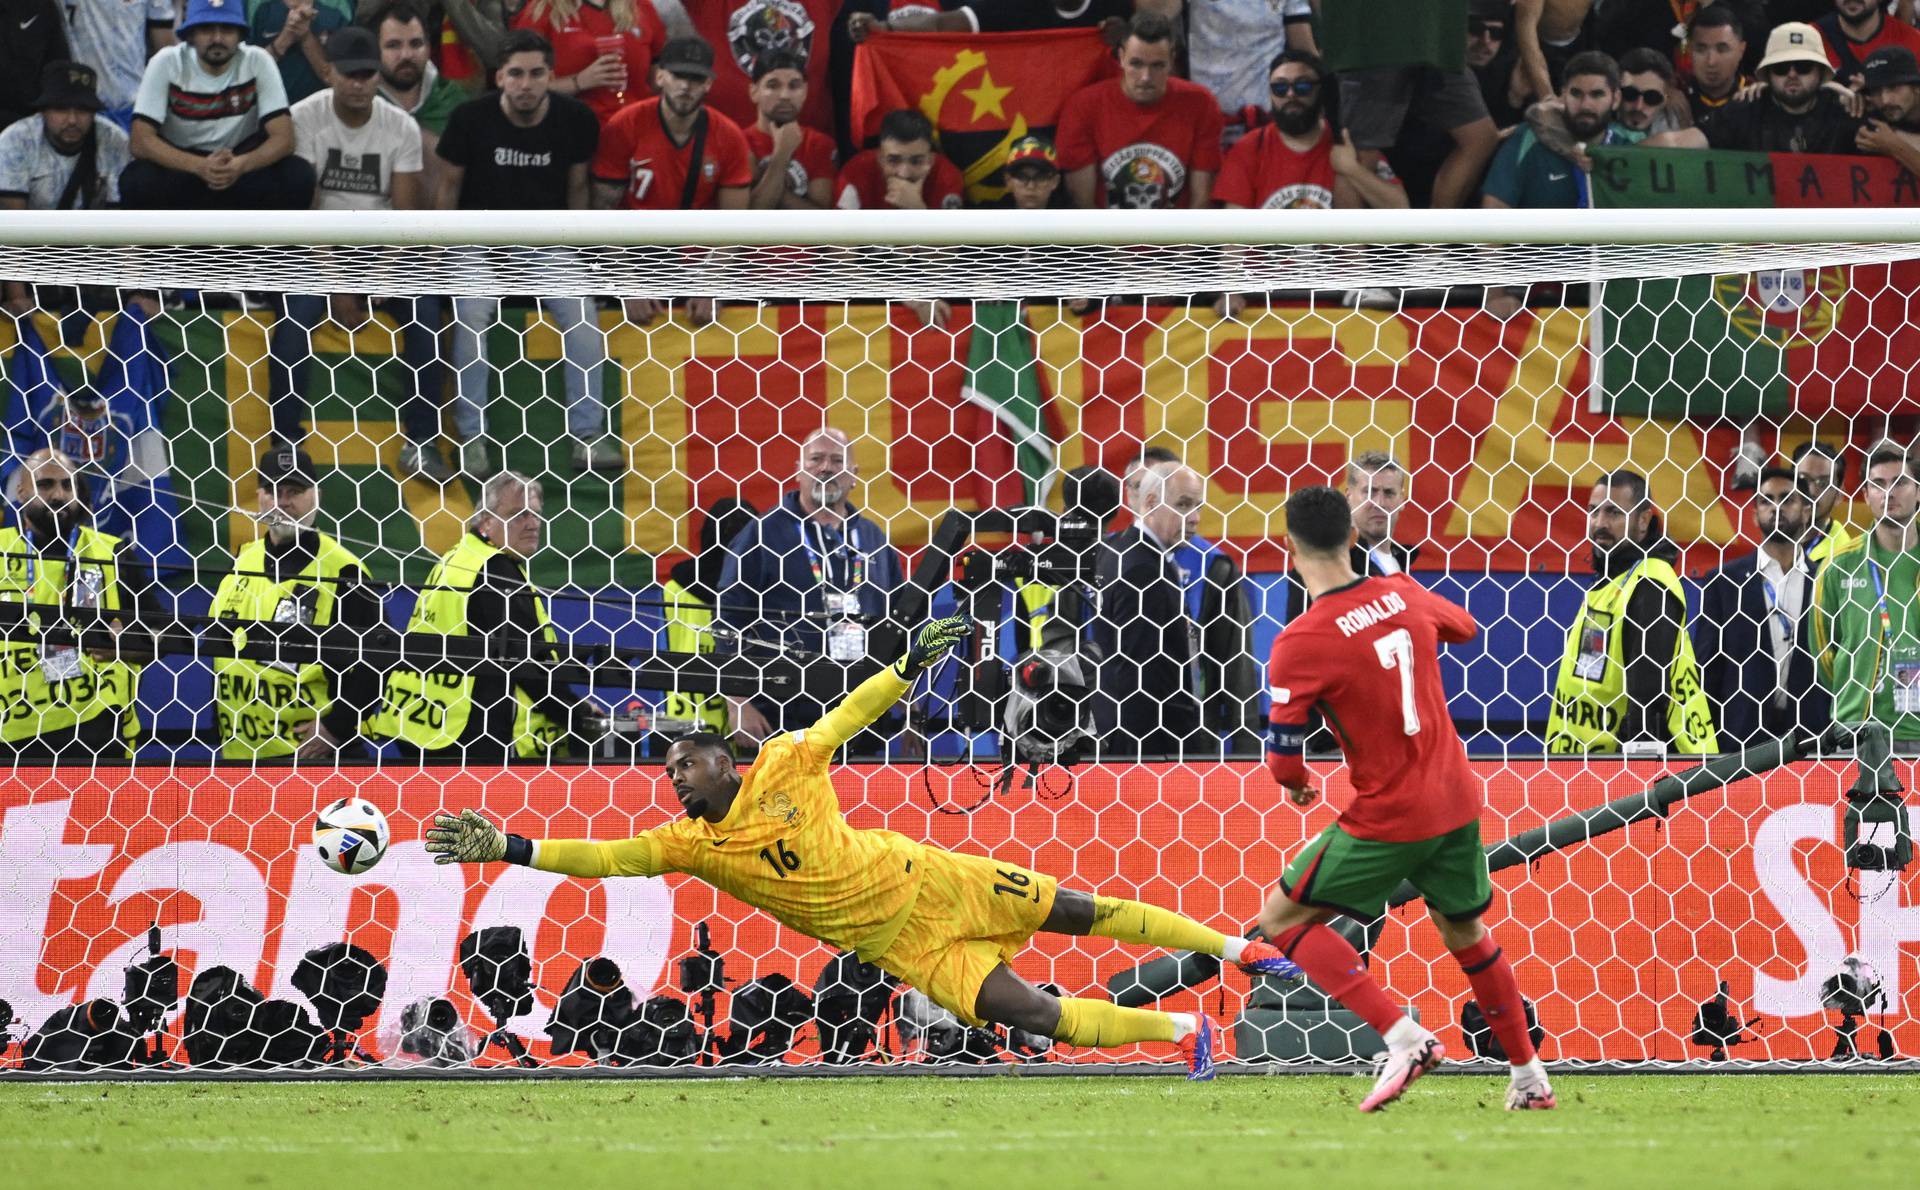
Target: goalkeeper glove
<point>934,641</point>
<point>468,839</point>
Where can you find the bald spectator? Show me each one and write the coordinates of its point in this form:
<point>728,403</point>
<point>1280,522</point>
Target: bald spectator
<point>812,574</point>
<point>1145,140</point>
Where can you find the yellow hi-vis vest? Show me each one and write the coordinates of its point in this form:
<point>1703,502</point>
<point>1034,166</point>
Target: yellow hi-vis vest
<point>34,699</point>
<point>688,621</point>
<point>1838,538</point>
<point>260,709</point>
<point>1590,696</point>
<point>430,710</point>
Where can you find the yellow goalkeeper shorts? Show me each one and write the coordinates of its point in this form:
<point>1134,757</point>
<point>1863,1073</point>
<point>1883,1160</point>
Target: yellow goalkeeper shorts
<point>973,914</point>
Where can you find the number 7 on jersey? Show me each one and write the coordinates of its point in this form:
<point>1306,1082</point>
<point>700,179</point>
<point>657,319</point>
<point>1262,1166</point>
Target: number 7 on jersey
<point>1396,652</point>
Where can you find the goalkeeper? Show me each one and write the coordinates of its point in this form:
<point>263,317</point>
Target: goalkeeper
<point>945,922</point>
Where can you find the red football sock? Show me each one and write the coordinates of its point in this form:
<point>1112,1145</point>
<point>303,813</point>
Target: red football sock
<point>1336,967</point>
<point>1499,996</point>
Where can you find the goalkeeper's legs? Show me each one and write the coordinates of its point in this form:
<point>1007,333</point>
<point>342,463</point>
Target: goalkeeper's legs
<point>1139,924</point>
<point>1007,999</point>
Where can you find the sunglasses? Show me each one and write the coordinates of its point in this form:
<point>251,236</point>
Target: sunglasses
<point>1496,30</point>
<point>1794,68</point>
<point>1300,87</point>
<point>1652,96</point>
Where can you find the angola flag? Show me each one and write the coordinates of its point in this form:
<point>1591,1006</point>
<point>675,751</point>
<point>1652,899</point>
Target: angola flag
<point>982,91</point>
<point>1735,346</point>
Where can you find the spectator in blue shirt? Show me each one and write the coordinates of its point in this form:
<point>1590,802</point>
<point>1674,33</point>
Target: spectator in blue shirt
<point>812,574</point>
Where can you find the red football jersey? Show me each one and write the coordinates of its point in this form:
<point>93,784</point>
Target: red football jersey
<point>741,30</point>
<point>577,43</point>
<point>1143,155</point>
<point>862,187</point>
<point>636,150</point>
<point>1261,170</point>
<point>1367,658</point>
<point>813,159</point>
<point>1893,31</point>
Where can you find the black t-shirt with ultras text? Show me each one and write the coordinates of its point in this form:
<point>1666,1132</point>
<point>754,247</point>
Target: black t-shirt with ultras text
<point>511,168</point>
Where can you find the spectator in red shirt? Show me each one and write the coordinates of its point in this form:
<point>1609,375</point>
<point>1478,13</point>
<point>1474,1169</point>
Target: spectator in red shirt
<point>603,50</point>
<point>1855,29</point>
<point>793,164</point>
<point>745,31</point>
<point>1146,139</point>
<point>904,173</point>
<point>673,153</point>
<point>1294,162</point>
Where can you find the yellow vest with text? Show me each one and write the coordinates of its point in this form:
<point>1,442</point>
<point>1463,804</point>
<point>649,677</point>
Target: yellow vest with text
<point>430,710</point>
<point>688,621</point>
<point>1587,712</point>
<point>1837,538</point>
<point>30,704</point>
<point>260,710</point>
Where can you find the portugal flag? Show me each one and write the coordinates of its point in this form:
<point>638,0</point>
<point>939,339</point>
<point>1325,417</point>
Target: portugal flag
<point>1839,339</point>
<point>983,91</point>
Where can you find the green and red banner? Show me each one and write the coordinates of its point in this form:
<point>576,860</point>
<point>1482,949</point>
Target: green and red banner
<point>982,91</point>
<point>1816,341</point>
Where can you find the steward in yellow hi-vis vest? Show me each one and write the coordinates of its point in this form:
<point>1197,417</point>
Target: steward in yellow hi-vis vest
<point>948,923</point>
<point>268,708</point>
<point>1628,672</point>
<point>492,712</point>
<point>57,701</point>
<point>688,600</point>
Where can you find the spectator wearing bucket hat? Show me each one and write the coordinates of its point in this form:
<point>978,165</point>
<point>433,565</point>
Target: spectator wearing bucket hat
<point>1798,113</point>
<point>1033,175</point>
<point>210,124</point>
<point>1891,86</point>
<point>62,158</point>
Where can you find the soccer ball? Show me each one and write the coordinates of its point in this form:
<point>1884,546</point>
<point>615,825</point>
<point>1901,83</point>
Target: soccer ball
<point>350,835</point>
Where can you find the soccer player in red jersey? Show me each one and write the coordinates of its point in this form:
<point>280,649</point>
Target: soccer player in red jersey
<point>674,152</point>
<point>793,164</point>
<point>1366,656</point>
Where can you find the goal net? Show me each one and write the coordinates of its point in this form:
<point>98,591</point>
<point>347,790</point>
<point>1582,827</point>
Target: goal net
<point>984,401</point>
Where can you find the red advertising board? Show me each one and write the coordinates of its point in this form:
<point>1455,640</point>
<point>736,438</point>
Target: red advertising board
<point>1617,940</point>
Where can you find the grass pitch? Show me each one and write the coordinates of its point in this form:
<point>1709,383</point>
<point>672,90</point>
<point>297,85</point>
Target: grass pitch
<point>991,1133</point>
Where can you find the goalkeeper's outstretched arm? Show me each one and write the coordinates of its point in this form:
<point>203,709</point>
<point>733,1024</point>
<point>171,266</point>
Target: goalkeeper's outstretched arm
<point>472,838</point>
<point>871,698</point>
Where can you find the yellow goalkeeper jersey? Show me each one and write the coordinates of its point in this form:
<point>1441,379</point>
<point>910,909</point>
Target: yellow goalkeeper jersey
<point>784,847</point>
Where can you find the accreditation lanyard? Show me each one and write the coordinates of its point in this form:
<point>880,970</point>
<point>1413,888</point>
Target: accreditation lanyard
<point>1773,606</point>
<point>73,564</point>
<point>1880,597</point>
<point>820,561</point>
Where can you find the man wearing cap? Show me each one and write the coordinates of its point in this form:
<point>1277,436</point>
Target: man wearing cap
<point>793,164</point>
<point>210,124</point>
<point>1295,162</point>
<point>366,156</point>
<point>58,700</point>
<point>296,32</point>
<point>1891,86</point>
<point>63,159</point>
<point>673,152</point>
<point>269,707</point>
<point>1856,30</point>
<point>1033,175</point>
<point>1798,114</point>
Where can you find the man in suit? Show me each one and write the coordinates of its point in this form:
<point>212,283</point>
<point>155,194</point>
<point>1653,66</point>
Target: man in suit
<point>1376,491</point>
<point>1751,634</point>
<point>1156,601</point>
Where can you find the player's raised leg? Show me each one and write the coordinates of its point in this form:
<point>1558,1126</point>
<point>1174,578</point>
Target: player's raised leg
<point>1139,924</point>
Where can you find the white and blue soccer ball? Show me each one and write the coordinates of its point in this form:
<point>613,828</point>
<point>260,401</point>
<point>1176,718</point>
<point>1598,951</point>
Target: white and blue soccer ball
<point>350,835</point>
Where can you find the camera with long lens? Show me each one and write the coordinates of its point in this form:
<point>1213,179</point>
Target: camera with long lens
<point>1049,719</point>
<point>596,1015</point>
<point>499,972</point>
<point>430,1030</point>
<point>1855,991</point>
<point>345,985</point>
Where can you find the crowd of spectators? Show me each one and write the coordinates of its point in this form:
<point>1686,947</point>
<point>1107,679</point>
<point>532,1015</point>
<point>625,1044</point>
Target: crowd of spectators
<point>1250,103</point>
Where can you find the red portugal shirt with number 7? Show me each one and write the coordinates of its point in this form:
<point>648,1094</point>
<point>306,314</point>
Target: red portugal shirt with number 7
<point>1366,656</point>
<point>637,152</point>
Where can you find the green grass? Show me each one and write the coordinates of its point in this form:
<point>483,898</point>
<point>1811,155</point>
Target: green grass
<point>1611,1131</point>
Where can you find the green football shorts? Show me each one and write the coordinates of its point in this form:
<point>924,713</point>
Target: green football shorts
<point>1357,876</point>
